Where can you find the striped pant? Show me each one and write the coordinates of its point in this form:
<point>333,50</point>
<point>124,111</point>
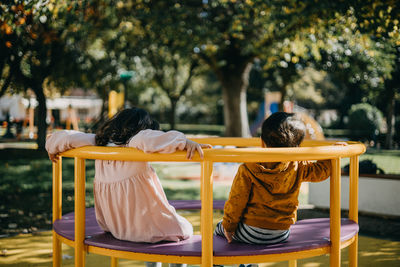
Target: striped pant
<point>254,235</point>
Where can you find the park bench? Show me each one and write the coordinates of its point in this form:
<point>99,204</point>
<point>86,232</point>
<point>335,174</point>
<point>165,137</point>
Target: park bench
<point>309,238</point>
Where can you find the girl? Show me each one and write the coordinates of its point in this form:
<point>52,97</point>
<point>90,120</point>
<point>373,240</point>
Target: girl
<point>129,200</point>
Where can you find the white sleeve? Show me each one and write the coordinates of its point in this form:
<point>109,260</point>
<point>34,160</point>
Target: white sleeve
<point>61,141</point>
<point>150,141</point>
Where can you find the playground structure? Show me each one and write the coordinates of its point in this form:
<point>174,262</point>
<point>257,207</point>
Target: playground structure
<point>308,238</point>
<point>68,112</point>
<point>271,105</point>
<point>62,112</point>
<point>65,112</point>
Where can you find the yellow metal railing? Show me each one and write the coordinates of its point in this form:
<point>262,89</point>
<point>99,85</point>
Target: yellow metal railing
<point>310,150</point>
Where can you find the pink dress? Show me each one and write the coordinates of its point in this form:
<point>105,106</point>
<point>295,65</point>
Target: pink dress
<point>129,199</point>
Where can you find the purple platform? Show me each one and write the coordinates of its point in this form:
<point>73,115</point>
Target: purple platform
<point>305,235</point>
<point>195,204</point>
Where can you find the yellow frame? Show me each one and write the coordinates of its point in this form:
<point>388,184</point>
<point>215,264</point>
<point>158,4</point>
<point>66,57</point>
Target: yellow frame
<point>310,150</point>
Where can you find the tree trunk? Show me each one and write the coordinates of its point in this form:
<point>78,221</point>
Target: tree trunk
<point>103,115</point>
<point>390,119</point>
<point>5,85</point>
<point>42,114</point>
<point>234,89</point>
<point>172,112</point>
<point>283,90</point>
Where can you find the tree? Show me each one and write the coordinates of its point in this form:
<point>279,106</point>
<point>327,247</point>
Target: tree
<point>381,22</point>
<point>354,62</point>
<point>156,39</point>
<point>368,69</point>
<point>176,85</point>
<point>172,74</point>
<point>33,48</point>
<point>229,35</point>
<point>392,93</point>
<point>233,34</point>
<point>365,121</point>
<point>33,36</point>
<point>45,42</point>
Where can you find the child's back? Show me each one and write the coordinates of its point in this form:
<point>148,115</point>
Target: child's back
<point>263,200</point>
<point>129,199</point>
<point>265,195</point>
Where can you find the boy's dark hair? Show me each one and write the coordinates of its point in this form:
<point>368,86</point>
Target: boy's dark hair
<point>283,129</point>
<point>123,125</point>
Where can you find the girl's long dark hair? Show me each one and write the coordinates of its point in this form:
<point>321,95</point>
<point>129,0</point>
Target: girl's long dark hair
<point>123,125</point>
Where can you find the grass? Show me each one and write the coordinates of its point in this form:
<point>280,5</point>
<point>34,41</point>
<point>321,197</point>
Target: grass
<point>25,193</point>
<point>387,160</point>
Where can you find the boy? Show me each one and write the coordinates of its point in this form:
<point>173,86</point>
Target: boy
<point>263,200</point>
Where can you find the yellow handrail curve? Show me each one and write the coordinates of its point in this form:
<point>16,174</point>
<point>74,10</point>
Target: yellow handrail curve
<point>310,150</point>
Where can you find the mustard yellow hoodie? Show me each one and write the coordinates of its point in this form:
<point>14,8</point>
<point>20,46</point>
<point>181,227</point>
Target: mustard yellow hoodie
<point>265,195</point>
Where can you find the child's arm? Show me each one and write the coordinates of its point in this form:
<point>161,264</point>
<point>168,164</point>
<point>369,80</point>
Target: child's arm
<point>237,202</point>
<point>317,171</point>
<point>151,141</point>
<point>61,141</point>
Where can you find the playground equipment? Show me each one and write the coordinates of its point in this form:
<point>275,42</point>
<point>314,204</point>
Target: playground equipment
<point>308,238</point>
<point>313,129</point>
<point>115,102</point>
<point>271,105</point>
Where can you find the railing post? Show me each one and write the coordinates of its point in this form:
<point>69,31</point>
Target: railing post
<point>293,263</point>
<point>80,180</point>
<point>335,213</point>
<point>114,262</point>
<point>57,209</point>
<point>206,214</point>
<point>353,208</point>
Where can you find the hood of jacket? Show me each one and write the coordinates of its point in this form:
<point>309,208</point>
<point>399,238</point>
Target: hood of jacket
<point>277,177</point>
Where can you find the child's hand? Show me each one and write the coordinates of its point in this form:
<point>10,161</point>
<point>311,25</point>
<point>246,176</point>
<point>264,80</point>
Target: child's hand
<point>340,143</point>
<point>228,236</point>
<point>192,146</point>
<point>53,157</point>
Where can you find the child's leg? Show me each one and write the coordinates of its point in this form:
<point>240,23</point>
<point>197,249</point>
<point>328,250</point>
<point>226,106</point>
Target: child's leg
<point>255,235</point>
<point>219,229</point>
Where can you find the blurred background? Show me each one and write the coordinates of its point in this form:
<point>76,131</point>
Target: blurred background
<point>204,67</point>
<point>213,67</point>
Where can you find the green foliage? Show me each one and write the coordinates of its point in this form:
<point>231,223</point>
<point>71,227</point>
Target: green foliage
<point>366,120</point>
<point>169,45</point>
<point>37,41</point>
<point>34,37</point>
